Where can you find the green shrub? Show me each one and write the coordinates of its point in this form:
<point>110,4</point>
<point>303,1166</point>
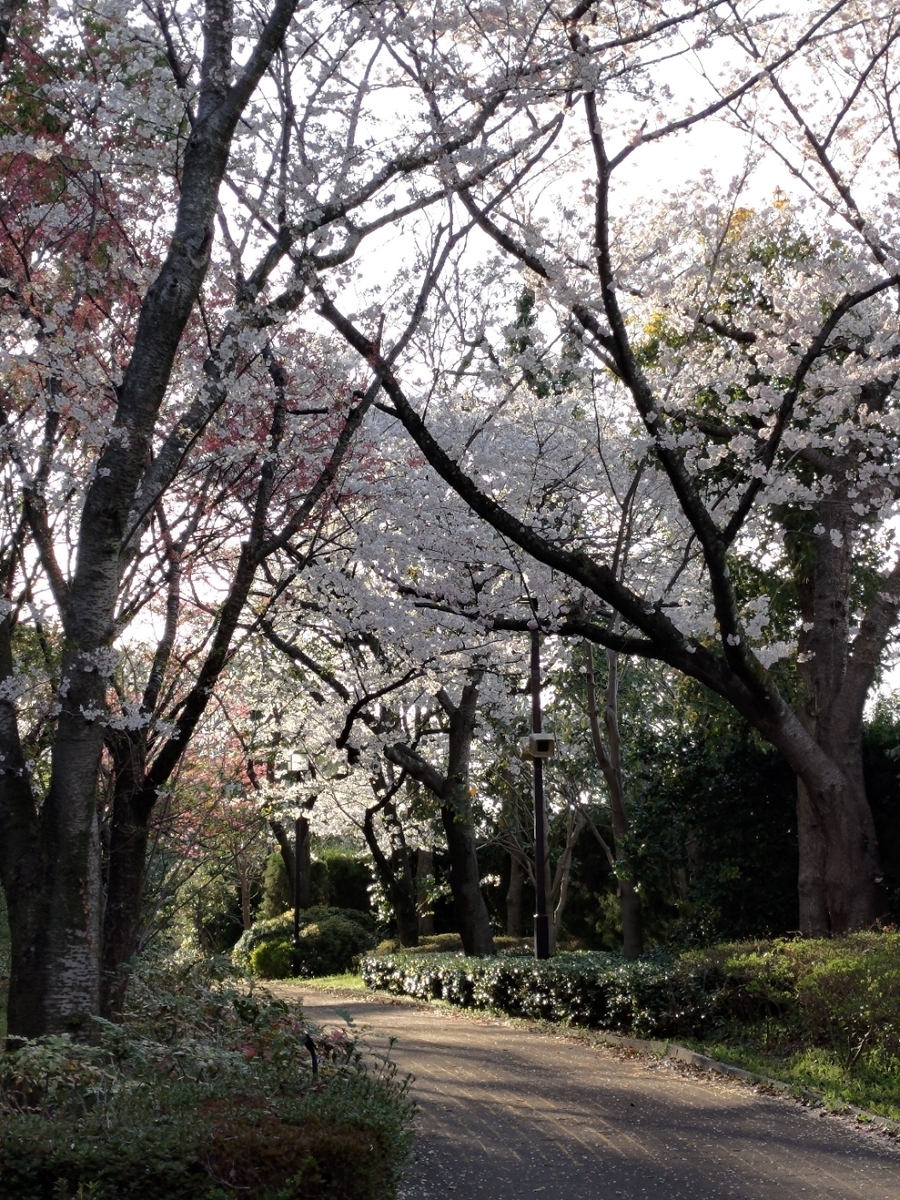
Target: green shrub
<point>332,946</point>
<point>279,928</point>
<point>328,946</point>
<point>652,997</point>
<point>853,1002</point>
<point>273,959</point>
<point>276,891</point>
<point>348,880</point>
<point>204,1093</point>
<point>842,993</point>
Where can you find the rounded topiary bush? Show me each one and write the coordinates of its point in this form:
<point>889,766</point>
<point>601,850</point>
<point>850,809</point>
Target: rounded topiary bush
<point>331,941</point>
<point>332,945</point>
<point>273,959</point>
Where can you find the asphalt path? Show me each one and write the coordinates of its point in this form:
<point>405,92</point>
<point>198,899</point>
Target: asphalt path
<point>508,1113</point>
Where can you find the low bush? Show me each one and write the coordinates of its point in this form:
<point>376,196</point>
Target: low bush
<point>205,1093</point>
<point>273,959</point>
<point>843,994</point>
<point>339,936</point>
<point>330,942</point>
<point>655,996</point>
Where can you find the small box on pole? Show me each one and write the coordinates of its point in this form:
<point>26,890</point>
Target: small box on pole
<point>537,745</point>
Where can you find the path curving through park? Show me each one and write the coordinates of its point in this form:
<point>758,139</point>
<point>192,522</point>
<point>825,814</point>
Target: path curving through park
<point>509,1113</point>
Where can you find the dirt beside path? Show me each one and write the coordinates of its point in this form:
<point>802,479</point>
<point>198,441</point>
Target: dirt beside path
<point>508,1113</point>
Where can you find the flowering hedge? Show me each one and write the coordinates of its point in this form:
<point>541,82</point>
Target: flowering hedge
<point>838,993</point>
<point>655,996</point>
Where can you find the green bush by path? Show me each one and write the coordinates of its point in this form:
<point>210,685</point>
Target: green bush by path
<point>276,890</point>
<point>824,1014</point>
<point>655,996</point>
<point>205,1093</point>
<point>331,941</point>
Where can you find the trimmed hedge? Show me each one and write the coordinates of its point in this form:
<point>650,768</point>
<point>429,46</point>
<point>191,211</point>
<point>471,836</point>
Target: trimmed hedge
<point>656,996</point>
<point>842,993</point>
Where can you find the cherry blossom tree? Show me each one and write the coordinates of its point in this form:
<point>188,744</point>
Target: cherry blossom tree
<point>171,421</point>
<point>745,341</point>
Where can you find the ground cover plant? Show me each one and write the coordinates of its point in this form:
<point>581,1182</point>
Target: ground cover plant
<point>819,1013</point>
<point>206,1090</point>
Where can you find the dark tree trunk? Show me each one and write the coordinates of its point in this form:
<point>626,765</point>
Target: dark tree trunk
<point>394,873</point>
<point>23,868</point>
<point>632,919</point>
<point>515,924</point>
<point>811,868</point>
<point>125,891</point>
<point>286,850</point>
<point>472,920</point>
<point>840,845</point>
<point>839,870</point>
<point>303,862</point>
<point>26,899</point>
<point>424,872</point>
<point>452,791</point>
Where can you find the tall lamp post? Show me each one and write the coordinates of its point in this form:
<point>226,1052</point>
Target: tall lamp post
<point>537,747</point>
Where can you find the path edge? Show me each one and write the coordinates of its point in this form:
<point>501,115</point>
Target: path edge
<point>693,1058</point>
<point>652,1049</point>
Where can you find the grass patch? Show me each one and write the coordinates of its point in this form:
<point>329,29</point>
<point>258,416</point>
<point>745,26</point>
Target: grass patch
<point>873,1085</point>
<point>349,982</point>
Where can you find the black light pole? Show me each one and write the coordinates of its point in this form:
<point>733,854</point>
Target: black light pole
<point>298,834</point>
<point>296,768</point>
<point>541,928</point>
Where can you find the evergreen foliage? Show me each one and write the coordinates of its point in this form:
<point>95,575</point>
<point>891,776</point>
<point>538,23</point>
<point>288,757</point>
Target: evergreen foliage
<point>203,1094</point>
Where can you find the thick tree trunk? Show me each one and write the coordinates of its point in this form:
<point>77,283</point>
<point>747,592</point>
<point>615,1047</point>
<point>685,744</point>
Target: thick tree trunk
<point>452,791</point>
<point>71,936</point>
<point>837,832</point>
<point>125,890</point>
<point>23,869</point>
<point>472,920</point>
<point>839,876</point>
<point>853,893</point>
<point>26,905</point>
<point>515,925</point>
<point>811,868</point>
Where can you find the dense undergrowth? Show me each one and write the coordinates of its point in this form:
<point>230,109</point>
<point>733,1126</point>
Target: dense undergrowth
<point>205,1092</point>
<point>823,1014</point>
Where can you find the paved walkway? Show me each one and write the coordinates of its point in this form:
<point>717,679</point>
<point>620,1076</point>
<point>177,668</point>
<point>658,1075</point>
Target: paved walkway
<point>510,1114</point>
